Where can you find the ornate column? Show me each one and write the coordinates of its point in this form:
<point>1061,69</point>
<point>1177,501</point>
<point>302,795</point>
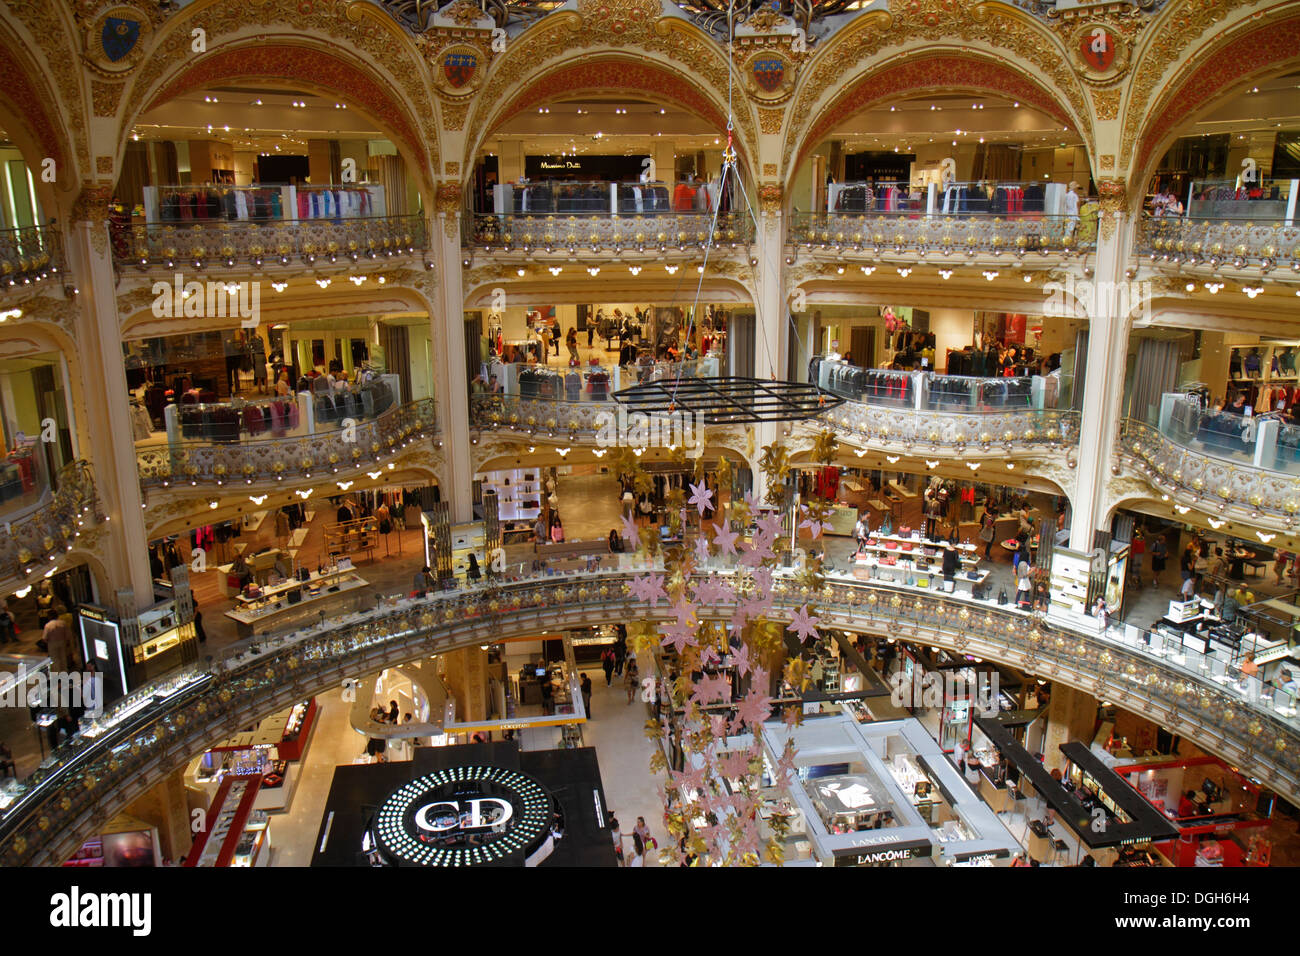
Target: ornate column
<point>770,315</point>
<point>448,329</point>
<point>1071,716</point>
<point>103,417</point>
<point>1110,299</point>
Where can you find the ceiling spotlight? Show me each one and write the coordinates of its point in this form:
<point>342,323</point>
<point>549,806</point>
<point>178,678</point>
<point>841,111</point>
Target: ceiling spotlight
<point>323,283</point>
<point>344,485</point>
<point>904,272</point>
<point>931,464</point>
<point>892,459</point>
<point>1215,523</point>
<point>1266,538</point>
<point>672,270</point>
<point>554,270</point>
<point>990,274</point>
<point>867,270</point>
<point>593,271</point>
<point>946,273</point>
<point>520,273</point>
<point>257,499</point>
<point>635,270</point>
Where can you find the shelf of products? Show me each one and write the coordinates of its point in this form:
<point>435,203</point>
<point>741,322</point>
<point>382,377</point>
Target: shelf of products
<point>352,537</point>
<point>238,834</point>
<point>519,493</point>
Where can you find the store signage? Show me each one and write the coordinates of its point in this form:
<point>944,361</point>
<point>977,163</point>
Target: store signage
<point>454,817</point>
<point>974,859</point>
<point>463,816</point>
<point>865,854</point>
<point>567,164</point>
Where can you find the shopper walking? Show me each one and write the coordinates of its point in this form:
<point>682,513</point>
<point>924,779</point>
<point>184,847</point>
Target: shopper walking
<point>637,857</point>
<point>1159,552</point>
<point>630,678</point>
<point>617,835</point>
<point>585,684</point>
<point>988,527</point>
<point>571,342</point>
<point>607,663</point>
<point>620,655</point>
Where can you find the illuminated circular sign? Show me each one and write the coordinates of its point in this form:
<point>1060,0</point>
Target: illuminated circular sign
<point>464,816</point>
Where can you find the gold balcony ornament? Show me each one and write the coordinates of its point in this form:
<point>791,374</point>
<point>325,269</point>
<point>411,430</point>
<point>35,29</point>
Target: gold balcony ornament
<point>309,247</point>
<point>1198,483</point>
<point>1255,728</point>
<point>1081,649</point>
<point>1157,244</point>
<point>986,437</point>
<point>278,467</point>
<point>1130,668</point>
<point>934,435</point>
<point>284,248</point>
<point>1290,506</point>
<point>884,431</point>
<point>1052,434</point>
<point>1030,434</point>
<point>878,238</point>
<point>1012,627</point>
<point>352,245</point>
<point>356,454</point>
<point>332,247</point>
<point>219,470</point>
<point>895,601</point>
<point>1256,499</point>
<point>1241,249</point>
<point>857,238</point>
<point>306,464</point>
<point>43,822</point>
<point>1229,714</point>
<point>550,423</point>
<point>449,614</point>
<point>334,458</point>
<point>1268,252</point>
<point>1279,744</point>
<point>872,598</point>
<point>426,619</point>
<point>514,418</point>
<point>227,251</point>
<point>1217,249</point>
<point>375,447</point>
<point>1225,492</point>
<point>198,252</point>
<point>571,238</point>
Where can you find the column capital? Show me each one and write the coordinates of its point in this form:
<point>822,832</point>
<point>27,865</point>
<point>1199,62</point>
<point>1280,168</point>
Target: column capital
<point>770,197</point>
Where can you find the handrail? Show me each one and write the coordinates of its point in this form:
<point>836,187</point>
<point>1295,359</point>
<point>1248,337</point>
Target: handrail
<point>1196,475</point>
<point>597,231</point>
<point>229,242</point>
<point>1214,242</point>
<point>942,234</point>
<point>160,726</point>
<point>277,458</point>
<point>30,254</point>
<point>994,431</point>
<point>35,542</point>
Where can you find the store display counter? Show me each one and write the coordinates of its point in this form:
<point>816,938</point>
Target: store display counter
<point>237,832</point>
<point>272,605</point>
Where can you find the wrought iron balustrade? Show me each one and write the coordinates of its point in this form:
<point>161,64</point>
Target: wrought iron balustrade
<point>324,452</point>
<point>1213,243</point>
<point>1205,481</point>
<point>939,234</point>
<point>29,255</point>
<point>267,242</point>
<point>160,726</point>
<point>598,232</point>
<point>32,544</point>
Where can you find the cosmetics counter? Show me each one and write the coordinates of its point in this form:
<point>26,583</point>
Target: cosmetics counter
<point>917,562</point>
<point>272,751</point>
<point>238,833</point>
<point>260,609</point>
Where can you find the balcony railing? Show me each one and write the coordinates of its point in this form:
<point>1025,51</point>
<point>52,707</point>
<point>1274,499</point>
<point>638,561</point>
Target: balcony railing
<point>1214,243</point>
<point>1200,478</point>
<point>235,242</point>
<point>605,232</point>
<point>158,727</point>
<point>916,233</point>
<point>989,432</point>
<point>32,544</point>
<point>29,255</point>
<point>275,459</point>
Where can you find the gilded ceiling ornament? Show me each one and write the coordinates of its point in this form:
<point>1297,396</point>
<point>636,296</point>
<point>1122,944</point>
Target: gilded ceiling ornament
<point>453,115</point>
<point>1099,52</point>
<point>458,70</point>
<point>1106,103</point>
<point>769,169</point>
<point>116,40</point>
<point>770,195</point>
<point>767,19</point>
<point>105,97</point>
<point>770,75</point>
<point>45,23</point>
<point>465,13</point>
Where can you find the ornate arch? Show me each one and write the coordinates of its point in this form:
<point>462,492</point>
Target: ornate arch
<point>989,33</point>
<point>346,48</point>
<point>640,46</point>
<point>1224,66</point>
<point>908,75</point>
<point>29,117</point>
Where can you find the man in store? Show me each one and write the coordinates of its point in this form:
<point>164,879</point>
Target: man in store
<point>585,684</point>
